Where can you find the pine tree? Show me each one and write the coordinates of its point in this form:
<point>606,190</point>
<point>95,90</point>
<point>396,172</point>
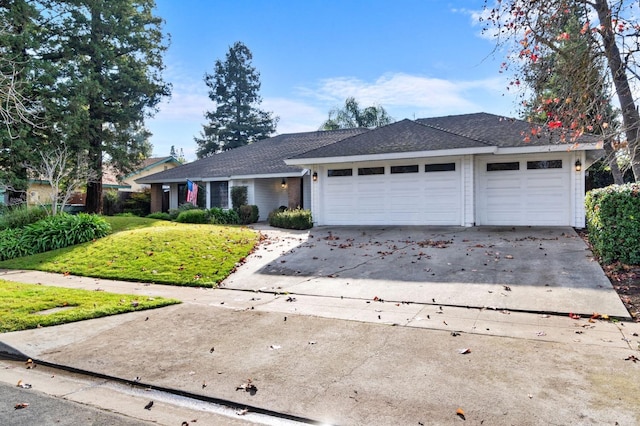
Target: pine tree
<point>236,120</point>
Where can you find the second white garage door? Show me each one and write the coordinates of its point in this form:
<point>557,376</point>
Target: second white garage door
<point>515,191</point>
<point>408,193</point>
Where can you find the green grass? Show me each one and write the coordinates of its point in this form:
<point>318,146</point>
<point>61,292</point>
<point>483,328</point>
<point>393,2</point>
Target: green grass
<point>21,305</point>
<point>151,250</point>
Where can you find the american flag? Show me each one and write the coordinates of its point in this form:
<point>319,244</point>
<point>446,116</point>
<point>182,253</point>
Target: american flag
<point>192,193</point>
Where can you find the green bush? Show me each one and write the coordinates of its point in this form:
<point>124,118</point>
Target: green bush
<point>193,216</point>
<point>52,233</point>
<point>21,215</point>
<point>613,222</point>
<point>138,203</point>
<point>174,213</point>
<point>291,219</point>
<point>224,217</point>
<point>238,197</point>
<point>248,214</point>
<point>159,215</point>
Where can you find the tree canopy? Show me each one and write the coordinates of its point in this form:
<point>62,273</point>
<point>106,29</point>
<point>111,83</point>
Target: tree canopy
<point>351,116</point>
<point>610,36</point>
<point>96,71</point>
<point>237,119</point>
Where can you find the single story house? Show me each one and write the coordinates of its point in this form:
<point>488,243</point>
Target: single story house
<point>465,170</point>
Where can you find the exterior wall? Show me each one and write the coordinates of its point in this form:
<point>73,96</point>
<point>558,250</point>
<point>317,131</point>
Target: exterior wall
<point>306,191</point>
<point>156,198</point>
<point>294,186</point>
<point>578,190</point>
<point>39,193</point>
<point>173,196</point>
<point>269,195</point>
<point>468,187</point>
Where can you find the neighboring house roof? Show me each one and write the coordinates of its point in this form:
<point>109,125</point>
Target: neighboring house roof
<point>152,162</point>
<point>264,157</point>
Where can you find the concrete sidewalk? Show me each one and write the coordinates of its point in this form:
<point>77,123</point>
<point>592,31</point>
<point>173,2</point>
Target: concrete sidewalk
<point>339,359</point>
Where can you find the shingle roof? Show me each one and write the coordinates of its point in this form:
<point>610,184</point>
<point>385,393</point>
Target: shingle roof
<point>401,136</point>
<point>495,130</point>
<point>262,157</point>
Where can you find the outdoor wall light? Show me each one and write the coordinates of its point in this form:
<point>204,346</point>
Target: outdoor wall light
<point>315,176</point>
<point>578,165</point>
<point>283,184</point>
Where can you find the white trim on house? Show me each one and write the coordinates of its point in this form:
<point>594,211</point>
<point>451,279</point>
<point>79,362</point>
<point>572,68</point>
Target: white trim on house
<point>387,156</point>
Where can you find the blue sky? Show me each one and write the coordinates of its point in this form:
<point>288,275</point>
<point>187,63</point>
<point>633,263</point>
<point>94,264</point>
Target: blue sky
<point>416,58</point>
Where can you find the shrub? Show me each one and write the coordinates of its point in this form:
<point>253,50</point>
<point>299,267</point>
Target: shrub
<point>248,214</point>
<point>224,217</point>
<point>291,219</point>
<point>52,233</point>
<point>193,216</point>
<point>138,203</point>
<point>238,197</point>
<point>173,213</point>
<point>159,215</point>
<point>613,222</point>
<point>21,215</point>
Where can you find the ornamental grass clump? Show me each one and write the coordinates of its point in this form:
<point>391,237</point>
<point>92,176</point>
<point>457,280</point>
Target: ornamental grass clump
<point>51,233</point>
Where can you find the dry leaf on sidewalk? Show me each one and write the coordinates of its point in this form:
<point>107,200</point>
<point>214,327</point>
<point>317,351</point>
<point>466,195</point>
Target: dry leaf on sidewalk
<point>460,413</point>
<point>464,351</point>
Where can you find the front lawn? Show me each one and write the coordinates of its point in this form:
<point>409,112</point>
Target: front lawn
<point>151,251</point>
<point>25,306</point>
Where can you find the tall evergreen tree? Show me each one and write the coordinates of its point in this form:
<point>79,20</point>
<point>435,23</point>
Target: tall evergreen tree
<point>110,53</point>
<point>25,88</point>
<point>237,119</point>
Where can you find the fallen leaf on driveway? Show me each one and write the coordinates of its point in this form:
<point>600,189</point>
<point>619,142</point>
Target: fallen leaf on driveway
<point>464,351</point>
<point>248,387</point>
<point>507,288</point>
<point>21,405</point>
<point>508,256</point>
<point>541,333</point>
<point>460,413</point>
<point>574,316</point>
<point>632,358</point>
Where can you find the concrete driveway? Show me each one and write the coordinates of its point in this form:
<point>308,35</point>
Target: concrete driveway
<point>546,270</point>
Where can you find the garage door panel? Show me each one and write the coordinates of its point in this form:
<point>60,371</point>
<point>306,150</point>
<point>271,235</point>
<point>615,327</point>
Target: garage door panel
<point>525,196</point>
<point>400,199</point>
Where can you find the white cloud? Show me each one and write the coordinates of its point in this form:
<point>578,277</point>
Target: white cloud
<point>402,92</point>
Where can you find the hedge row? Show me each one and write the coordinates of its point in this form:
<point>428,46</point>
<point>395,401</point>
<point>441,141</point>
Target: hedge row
<point>613,222</point>
<point>291,219</point>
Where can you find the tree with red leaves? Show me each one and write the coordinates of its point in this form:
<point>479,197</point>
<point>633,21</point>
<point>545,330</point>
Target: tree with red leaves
<point>607,30</point>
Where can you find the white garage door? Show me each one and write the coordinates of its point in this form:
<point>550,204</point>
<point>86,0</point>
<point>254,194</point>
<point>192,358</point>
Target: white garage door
<point>410,193</point>
<point>531,191</point>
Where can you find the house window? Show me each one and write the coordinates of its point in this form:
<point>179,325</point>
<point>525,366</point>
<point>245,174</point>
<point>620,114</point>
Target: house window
<point>220,194</point>
<point>498,167</point>
<point>404,169</point>
<point>544,164</point>
<point>339,172</point>
<point>441,167</point>
<point>365,171</point>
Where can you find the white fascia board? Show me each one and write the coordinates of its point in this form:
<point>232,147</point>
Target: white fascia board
<point>549,148</point>
<point>174,180</point>
<point>302,172</point>
<point>389,156</point>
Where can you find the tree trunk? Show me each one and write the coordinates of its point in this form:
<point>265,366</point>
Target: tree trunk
<point>630,116</point>
<point>610,154</point>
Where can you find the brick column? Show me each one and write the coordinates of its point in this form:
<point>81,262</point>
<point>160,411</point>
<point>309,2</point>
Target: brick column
<point>294,186</point>
<point>156,197</point>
